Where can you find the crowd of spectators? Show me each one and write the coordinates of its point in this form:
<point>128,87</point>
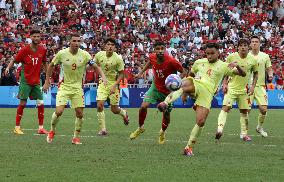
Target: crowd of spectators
<point>184,25</point>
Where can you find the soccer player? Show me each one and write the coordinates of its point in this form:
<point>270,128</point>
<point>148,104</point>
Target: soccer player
<point>259,95</point>
<point>73,61</point>
<point>236,89</point>
<point>32,57</point>
<point>113,67</point>
<point>208,73</point>
<point>163,65</point>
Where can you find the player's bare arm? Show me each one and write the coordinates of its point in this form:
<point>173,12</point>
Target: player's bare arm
<point>238,71</point>
<point>101,73</point>
<point>47,77</point>
<point>225,85</point>
<point>119,78</point>
<point>269,71</point>
<point>255,77</point>
<point>147,66</point>
<point>10,65</point>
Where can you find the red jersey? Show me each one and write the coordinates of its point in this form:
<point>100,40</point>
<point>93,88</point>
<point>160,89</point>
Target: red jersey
<point>31,63</point>
<point>163,70</point>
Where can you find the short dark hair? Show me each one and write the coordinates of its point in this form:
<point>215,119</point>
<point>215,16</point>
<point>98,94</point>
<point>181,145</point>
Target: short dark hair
<point>243,41</point>
<point>255,37</point>
<point>110,40</point>
<point>159,43</point>
<point>74,35</point>
<point>212,45</point>
<point>34,32</point>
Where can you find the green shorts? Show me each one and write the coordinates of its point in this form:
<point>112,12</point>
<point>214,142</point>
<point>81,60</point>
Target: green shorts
<point>34,92</point>
<point>260,96</point>
<point>153,96</point>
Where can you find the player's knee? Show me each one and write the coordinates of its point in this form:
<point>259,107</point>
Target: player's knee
<point>39,102</point>
<point>200,122</point>
<point>226,108</point>
<point>79,115</point>
<point>115,109</point>
<point>263,111</point>
<point>59,113</point>
<point>23,103</point>
<point>100,107</point>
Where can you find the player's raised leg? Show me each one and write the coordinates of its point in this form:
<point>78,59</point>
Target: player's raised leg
<point>114,105</point>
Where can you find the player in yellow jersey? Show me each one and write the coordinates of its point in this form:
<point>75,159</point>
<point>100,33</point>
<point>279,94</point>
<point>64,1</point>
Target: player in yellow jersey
<point>113,66</point>
<point>208,73</point>
<point>73,61</point>
<point>260,95</point>
<point>236,89</point>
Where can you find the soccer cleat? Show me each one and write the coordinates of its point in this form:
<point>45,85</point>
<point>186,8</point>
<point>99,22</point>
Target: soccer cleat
<point>50,136</point>
<point>162,107</point>
<point>246,138</point>
<point>188,152</point>
<point>76,141</point>
<point>18,131</point>
<point>219,134</point>
<point>102,133</point>
<point>162,137</point>
<point>126,119</point>
<point>42,131</point>
<point>261,131</point>
<point>136,133</point>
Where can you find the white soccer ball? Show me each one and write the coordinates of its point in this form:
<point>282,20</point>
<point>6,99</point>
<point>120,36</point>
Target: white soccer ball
<point>173,82</point>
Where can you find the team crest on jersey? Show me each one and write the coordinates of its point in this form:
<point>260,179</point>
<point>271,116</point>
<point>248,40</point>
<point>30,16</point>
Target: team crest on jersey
<point>67,60</point>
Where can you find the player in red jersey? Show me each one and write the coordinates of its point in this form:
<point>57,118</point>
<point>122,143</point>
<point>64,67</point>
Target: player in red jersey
<point>31,57</point>
<point>163,65</point>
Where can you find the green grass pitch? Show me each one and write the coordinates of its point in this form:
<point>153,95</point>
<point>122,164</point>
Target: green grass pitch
<point>116,158</point>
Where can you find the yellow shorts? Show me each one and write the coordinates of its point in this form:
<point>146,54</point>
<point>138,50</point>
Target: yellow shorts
<point>103,93</point>
<point>260,96</point>
<point>202,95</point>
<point>76,98</point>
<point>242,100</point>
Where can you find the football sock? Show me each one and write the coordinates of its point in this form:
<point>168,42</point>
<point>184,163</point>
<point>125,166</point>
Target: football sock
<point>165,123</point>
<point>54,121</point>
<point>195,133</point>
<point>102,120</point>
<point>40,114</point>
<point>261,119</point>
<point>173,96</point>
<point>19,114</point>
<point>142,116</point>
<point>122,113</point>
<point>244,123</point>
<point>78,126</point>
<point>222,120</point>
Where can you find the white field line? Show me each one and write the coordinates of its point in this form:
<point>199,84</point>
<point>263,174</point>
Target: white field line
<point>213,134</point>
<point>148,139</point>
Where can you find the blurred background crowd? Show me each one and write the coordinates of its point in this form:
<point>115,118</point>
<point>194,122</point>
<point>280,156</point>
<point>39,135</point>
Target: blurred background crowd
<point>184,25</point>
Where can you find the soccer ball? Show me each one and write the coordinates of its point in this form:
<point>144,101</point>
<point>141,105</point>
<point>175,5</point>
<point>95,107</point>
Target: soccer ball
<point>173,82</point>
